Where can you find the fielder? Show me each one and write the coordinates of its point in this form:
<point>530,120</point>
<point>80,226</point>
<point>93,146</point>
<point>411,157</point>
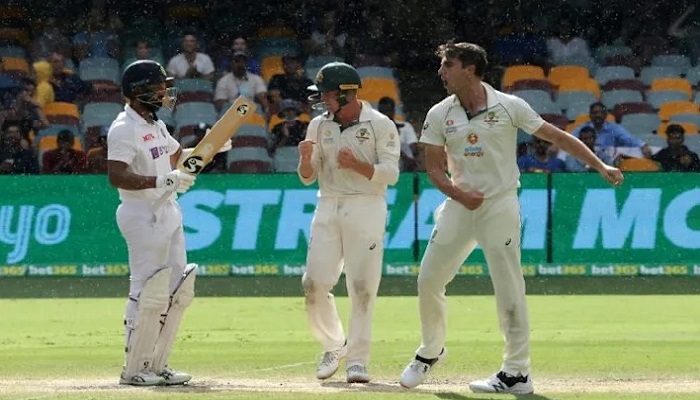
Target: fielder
<point>475,127</point>
<point>353,151</point>
<point>141,156</point>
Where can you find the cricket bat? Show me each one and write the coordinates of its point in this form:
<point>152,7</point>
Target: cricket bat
<point>240,111</point>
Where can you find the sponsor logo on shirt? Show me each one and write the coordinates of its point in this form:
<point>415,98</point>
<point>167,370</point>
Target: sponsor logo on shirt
<point>158,151</point>
<point>473,149</point>
<point>148,137</point>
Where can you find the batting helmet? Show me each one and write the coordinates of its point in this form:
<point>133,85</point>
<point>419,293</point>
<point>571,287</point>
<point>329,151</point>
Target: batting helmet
<point>138,82</point>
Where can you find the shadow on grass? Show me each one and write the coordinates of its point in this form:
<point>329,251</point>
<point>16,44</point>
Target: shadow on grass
<point>458,396</point>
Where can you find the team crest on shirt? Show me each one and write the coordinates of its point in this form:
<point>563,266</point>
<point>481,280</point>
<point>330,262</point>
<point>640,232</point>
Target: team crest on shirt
<point>362,135</point>
<point>449,127</point>
<point>472,149</point>
<point>328,139</point>
<point>490,118</point>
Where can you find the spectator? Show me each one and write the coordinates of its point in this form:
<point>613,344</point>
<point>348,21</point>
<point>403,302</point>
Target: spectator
<point>239,44</point>
<point>610,134</point>
<point>566,45</point>
<point>25,111</point>
<point>143,51</point>
<point>676,157</point>
<point>240,82</point>
<point>190,63</point>
<point>44,91</point>
<point>49,40</point>
<point>16,157</point>
<point>588,137</point>
<point>98,39</point>
<point>97,156</point>
<point>290,85</point>
<point>328,39</point>
<point>291,131</point>
<point>64,159</point>
<point>519,44</point>
<point>407,135</point>
<point>541,160</point>
<point>67,86</point>
<point>8,87</point>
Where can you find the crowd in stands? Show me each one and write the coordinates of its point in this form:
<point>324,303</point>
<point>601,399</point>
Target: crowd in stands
<point>622,76</point>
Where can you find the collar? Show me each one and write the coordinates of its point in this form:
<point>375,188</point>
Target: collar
<point>491,96</point>
<point>244,78</point>
<point>131,113</point>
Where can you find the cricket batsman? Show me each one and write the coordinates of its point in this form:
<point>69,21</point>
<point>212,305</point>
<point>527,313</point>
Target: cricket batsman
<point>140,163</point>
<point>353,152</point>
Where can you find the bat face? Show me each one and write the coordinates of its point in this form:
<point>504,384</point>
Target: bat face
<point>239,112</point>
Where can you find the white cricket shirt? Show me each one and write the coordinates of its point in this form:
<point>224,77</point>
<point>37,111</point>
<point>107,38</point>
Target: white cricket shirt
<point>145,147</point>
<point>373,139</point>
<point>481,150</point>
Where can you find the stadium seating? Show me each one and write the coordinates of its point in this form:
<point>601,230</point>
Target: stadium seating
<point>658,97</point>
<point>638,165</point>
<point>614,97</point>
<point>613,72</point>
<point>286,159</point>
<point>560,73</point>
<point>679,84</point>
<point>677,107</point>
<point>249,160</point>
<point>518,72</point>
<point>640,124</point>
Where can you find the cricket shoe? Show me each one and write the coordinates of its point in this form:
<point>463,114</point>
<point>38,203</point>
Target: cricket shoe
<point>330,362</point>
<point>504,383</point>
<point>174,377</point>
<point>143,378</point>
<point>415,373</point>
<point>357,373</point>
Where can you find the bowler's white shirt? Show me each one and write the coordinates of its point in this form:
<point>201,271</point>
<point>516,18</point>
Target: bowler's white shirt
<point>145,147</point>
<point>373,139</point>
<point>481,151</point>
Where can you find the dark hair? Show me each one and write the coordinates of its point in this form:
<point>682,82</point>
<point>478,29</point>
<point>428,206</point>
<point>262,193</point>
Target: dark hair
<point>597,104</point>
<point>65,135</point>
<point>589,129</point>
<point>387,101</point>
<point>675,128</point>
<point>467,53</point>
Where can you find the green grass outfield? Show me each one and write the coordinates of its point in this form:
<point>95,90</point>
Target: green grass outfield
<point>583,347</point>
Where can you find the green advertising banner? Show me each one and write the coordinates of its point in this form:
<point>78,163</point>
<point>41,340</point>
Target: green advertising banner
<point>259,225</point>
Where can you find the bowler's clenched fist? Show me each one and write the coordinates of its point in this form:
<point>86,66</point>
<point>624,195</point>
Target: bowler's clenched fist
<point>346,158</point>
<point>306,148</point>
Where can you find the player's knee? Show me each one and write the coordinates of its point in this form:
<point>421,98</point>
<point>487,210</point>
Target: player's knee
<point>184,292</point>
<point>428,282</point>
<point>362,296</point>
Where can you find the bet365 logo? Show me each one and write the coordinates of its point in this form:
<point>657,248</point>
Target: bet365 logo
<point>193,164</point>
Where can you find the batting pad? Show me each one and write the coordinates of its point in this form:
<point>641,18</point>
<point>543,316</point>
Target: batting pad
<point>180,299</point>
<point>152,301</point>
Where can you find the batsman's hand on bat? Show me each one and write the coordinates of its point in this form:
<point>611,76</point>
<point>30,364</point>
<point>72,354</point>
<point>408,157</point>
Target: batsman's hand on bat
<point>346,158</point>
<point>175,180</point>
<point>306,149</point>
<point>612,175</point>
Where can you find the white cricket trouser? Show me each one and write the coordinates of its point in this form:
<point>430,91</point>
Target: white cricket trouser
<point>495,225</point>
<point>345,231</point>
<point>152,244</point>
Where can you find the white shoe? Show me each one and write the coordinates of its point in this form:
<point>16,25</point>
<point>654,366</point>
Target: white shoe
<point>143,378</point>
<point>174,377</point>
<point>415,373</point>
<point>503,383</point>
<point>330,362</point>
<point>357,373</point>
